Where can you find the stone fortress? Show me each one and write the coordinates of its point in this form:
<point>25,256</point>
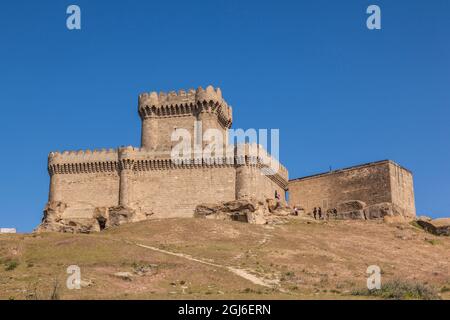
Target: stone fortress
<point>367,191</point>
<point>92,190</point>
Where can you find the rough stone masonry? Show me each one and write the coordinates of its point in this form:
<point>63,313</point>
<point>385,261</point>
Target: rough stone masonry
<point>368,191</point>
<point>91,190</point>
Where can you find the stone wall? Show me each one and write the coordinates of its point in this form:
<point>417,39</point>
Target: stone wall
<point>176,192</point>
<point>83,193</point>
<point>137,183</point>
<point>150,182</point>
<point>252,183</point>
<point>162,113</point>
<point>157,132</point>
<point>372,184</point>
<point>84,180</point>
<point>402,189</point>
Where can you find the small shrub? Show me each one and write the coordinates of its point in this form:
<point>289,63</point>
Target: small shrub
<point>415,224</point>
<point>432,241</point>
<point>445,289</point>
<point>35,291</point>
<point>11,265</point>
<point>335,291</point>
<point>55,290</point>
<point>400,290</point>
<point>289,274</point>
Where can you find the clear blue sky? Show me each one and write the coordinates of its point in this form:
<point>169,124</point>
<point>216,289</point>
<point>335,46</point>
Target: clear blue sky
<point>340,94</point>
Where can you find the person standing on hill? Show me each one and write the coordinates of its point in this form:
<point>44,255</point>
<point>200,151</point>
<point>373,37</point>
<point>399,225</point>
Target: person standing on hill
<point>277,196</point>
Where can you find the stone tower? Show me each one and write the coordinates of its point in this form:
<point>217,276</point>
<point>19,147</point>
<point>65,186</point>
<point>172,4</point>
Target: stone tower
<point>95,188</point>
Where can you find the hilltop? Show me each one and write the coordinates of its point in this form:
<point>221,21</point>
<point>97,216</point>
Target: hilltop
<point>201,258</point>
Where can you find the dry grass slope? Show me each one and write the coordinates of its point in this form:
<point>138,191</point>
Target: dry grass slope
<point>214,259</point>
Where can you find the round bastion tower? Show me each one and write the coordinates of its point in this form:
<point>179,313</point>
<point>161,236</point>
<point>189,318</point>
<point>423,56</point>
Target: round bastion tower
<point>148,110</point>
<point>126,164</point>
<point>54,194</point>
<point>246,157</point>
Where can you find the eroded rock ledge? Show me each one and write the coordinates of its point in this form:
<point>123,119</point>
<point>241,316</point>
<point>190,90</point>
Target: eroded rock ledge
<point>257,212</point>
<point>358,210</point>
<point>438,227</point>
<point>250,211</point>
<point>103,217</point>
<point>246,210</point>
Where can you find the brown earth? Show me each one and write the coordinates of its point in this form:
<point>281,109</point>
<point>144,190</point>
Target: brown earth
<point>213,259</point>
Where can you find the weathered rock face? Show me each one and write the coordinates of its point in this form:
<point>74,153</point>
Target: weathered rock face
<point>426,218</point>
<point>277,208</point>
<point>120,215</point>
<point>103,217</point>
<point>250,211</point>
<point>381,210</point>
<point>53,221</point>
<point>358,210</point>
<point>347,210</point>
<point>352,205</point>
<point>232,210</point>
<point>439,227</point>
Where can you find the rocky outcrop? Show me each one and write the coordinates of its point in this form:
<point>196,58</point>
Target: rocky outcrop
<point>233,210</point>
<point>358,210</point>
<point>120,215</point>
<point>352,205</point>
<point>53,221</point>
<point>250,211</point>
<point>102,218</point>
<point>439,227</point>
<point>277,208</point>
<point>425,218</point>
<point>348,210</point>
<point>127,276</point>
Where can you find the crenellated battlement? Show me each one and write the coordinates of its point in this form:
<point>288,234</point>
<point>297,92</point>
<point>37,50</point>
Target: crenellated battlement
<point>182,103</point>
<point>154,99</point>
<point>82,156</point>
<point>254,153</point>
<point>140,159</point>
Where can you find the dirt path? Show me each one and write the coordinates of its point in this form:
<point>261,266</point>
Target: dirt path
<point>239,272</point>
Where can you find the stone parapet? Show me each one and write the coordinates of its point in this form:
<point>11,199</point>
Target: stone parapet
<point>184,103</point>
<point>141,159</point>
